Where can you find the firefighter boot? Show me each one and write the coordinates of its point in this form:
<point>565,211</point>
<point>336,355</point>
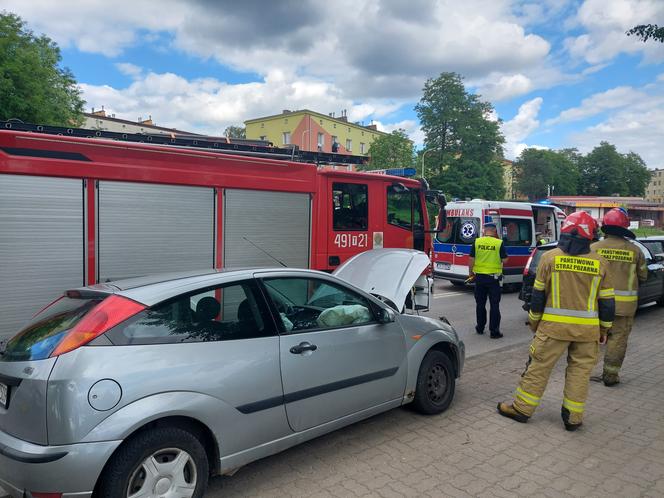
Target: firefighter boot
<point>508,410</point>
<point>565,414</point>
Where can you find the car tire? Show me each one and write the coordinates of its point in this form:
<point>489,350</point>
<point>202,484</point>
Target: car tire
<point>435,384</point>
<point>130,467</point>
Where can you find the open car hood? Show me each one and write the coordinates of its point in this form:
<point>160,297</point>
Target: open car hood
<point>387,273</point>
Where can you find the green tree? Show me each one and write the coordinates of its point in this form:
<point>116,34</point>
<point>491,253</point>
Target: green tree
<point>466,178</point>
<point>605,171</point>
<point>33,86</point>
<point>602,171</point>
<point>235,132</point>
<point>394,150</point>
<point>647,31</point>
<point>637,175</point>
<point>460,135</point>
<point>537,170</point>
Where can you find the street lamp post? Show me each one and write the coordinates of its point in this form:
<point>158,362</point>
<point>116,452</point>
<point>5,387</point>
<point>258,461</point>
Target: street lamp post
<point>424,154</point>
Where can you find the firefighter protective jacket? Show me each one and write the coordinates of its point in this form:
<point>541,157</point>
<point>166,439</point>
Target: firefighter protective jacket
<point>573,297</point>
<point>627,267</point>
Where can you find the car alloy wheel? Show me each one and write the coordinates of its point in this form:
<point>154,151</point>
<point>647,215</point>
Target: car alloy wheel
<point>169,472</point>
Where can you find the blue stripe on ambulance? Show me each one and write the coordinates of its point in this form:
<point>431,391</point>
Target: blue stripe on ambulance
<point>460,248</point>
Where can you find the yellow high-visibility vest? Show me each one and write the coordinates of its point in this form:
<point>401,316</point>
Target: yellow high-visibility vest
<point>487,256</point>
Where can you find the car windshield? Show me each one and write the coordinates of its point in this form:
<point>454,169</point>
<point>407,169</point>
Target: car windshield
<point>38,339</point>
<point>655,246</point>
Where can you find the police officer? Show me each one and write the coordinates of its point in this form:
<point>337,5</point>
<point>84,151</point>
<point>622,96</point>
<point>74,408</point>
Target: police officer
<point>487,255</point>
<point>571,311</point>
<point>627,266</point>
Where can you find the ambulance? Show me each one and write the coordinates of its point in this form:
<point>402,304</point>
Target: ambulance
<point>521,225</point>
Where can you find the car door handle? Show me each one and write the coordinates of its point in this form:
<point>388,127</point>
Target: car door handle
<point>302,347</point>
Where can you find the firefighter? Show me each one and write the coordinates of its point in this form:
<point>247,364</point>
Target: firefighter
<point>627,267</point>
<point>487,255</point>
<point>571,311</point>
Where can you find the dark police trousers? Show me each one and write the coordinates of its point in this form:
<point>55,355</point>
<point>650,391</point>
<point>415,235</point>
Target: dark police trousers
<point>487,286</point>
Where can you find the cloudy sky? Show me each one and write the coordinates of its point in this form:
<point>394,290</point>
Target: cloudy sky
<point>560,73</point>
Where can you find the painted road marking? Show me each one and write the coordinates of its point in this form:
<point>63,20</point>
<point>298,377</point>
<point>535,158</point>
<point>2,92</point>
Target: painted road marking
<point>451,294</point>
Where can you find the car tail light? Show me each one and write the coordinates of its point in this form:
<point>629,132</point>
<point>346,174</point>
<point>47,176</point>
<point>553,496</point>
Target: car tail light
<point>526,270</point>
<point>103,317</point>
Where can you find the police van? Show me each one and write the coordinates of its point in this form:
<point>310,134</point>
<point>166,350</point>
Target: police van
<point>521,225</point>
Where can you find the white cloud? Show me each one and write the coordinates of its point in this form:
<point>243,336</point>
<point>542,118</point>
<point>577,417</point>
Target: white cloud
<point>410,126</point>
<point>208,105</point>
<point>369,48</point>
<point>129,69</point>
<point>605,22</point>
<point>505,87</point>
<point>614,98</point>
<point>638,128</point>
<point>517,129</point>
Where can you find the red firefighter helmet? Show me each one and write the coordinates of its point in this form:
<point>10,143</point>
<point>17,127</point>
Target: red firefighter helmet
<point>616,217</point>
<point>580,223</point>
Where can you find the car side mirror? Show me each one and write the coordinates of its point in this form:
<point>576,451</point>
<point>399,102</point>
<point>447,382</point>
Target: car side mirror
<point>386,316</point>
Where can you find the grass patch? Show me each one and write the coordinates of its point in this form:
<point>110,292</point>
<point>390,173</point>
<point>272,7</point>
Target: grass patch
<point>647,232</point>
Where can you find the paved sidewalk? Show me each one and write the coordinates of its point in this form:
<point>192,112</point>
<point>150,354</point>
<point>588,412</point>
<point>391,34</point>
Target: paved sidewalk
<point>470,451</point>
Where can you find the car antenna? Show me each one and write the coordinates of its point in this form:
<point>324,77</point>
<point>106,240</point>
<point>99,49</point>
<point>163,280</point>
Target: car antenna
<point>265,252</point>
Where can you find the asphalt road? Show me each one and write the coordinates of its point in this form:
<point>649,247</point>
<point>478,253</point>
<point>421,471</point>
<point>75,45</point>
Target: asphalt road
<point>457,304</point>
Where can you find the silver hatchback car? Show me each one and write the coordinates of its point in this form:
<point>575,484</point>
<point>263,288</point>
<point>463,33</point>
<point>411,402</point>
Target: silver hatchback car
<point>147,386</point>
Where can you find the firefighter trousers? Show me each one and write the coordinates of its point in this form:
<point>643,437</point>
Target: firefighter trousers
<point>616,346</point>
<point>544,354</point>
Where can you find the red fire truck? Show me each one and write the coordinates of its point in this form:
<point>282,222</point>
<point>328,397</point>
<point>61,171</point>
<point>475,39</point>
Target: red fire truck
<point>82,206</point>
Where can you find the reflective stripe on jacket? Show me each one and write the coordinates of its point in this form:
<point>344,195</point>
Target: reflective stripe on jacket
<point>627,267</point>
<point>573,298</point>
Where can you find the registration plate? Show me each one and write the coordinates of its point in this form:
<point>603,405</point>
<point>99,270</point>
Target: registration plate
<point>4,395</point>
<point>442,266</point>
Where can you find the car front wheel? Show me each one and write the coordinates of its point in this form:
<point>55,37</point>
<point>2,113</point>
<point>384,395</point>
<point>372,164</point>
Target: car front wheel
<point>164,462</point>
<point>435,384</point>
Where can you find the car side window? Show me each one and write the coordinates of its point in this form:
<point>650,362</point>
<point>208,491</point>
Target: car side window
<point>223,313</point>
<point>306,304</point>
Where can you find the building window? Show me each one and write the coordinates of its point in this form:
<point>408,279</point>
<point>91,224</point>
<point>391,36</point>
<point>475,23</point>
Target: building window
<point>286,121</point>
<point>362,148</point>
<point>263,137</point>
<point>349,144</point>
<point>334,125</point>
<point>321,122</point>
<point>286,137</point>
<point>321,140</point>
<point>262,125</point>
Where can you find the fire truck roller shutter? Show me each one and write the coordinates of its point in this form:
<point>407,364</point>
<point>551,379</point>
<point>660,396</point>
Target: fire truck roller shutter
<point>277,222</point>
<point>148,228</point>
<point>41,245</point>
